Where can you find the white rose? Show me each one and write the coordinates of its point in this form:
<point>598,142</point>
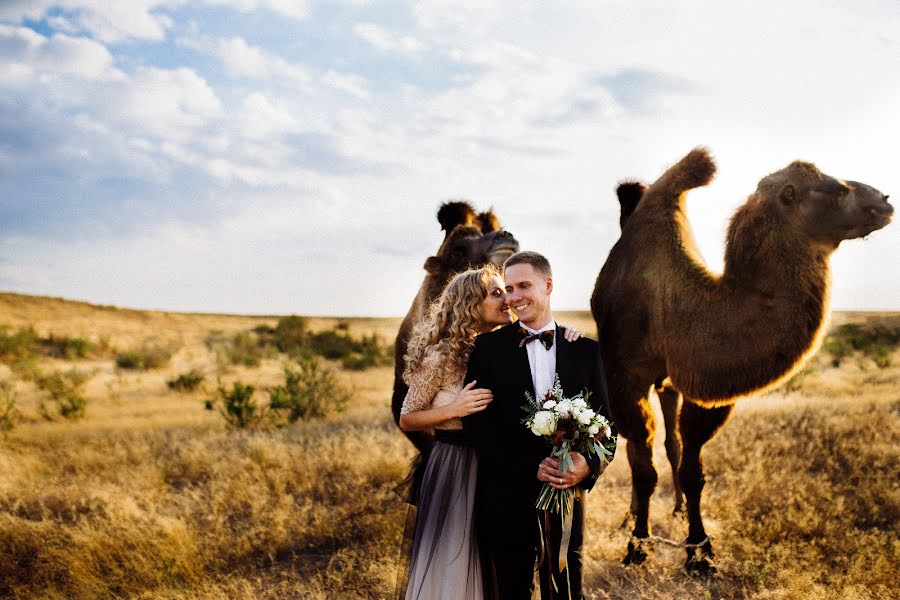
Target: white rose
<point>549,404</point>
<point>584,416</point>
<point>544,423</point>
<point>564,409</point>
<point>579,403</point>
<point>594,429</point>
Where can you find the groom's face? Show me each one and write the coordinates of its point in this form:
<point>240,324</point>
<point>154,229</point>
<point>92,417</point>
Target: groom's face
<point>528,294</point>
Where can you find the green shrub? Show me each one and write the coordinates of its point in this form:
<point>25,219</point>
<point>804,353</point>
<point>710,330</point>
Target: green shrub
<point>146,357</point>
<point>309,391</point>
<point>368,353</point>
<point>9,415</point>
<point>237,405</point>
<point>877,343</point>
<point>19,345</point>
<point>187,382</point>
<point>332,344</point>
<point>66,391</point>
<point>290,333</point>
<point>246,349</point>
<point>69,348</point>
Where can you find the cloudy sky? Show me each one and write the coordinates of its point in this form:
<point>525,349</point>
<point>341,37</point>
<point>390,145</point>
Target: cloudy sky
<point>285,156</point>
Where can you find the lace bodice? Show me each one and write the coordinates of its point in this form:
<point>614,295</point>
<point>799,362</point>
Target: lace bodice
<point>435,383</point>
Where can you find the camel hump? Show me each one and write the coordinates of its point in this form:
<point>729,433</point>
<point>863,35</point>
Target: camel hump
<point>696,169</point>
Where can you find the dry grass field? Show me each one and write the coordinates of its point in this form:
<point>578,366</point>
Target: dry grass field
<point>150,495</point>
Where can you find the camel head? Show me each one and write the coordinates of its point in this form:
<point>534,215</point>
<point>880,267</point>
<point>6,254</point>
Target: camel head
<point>827,210</point>
<point>466,247</point>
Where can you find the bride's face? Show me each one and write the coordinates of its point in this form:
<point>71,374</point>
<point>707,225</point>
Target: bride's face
<point>494,309</point>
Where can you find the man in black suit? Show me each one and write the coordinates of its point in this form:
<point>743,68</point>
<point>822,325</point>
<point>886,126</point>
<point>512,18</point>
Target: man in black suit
<point>513,462</point>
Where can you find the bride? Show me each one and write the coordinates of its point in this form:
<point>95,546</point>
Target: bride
<point>445,563</point>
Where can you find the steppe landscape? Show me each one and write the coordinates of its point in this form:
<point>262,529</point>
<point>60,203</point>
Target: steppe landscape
<point>117,482</point>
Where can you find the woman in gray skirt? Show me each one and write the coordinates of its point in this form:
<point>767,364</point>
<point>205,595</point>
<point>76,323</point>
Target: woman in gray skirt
<point>444,564</point>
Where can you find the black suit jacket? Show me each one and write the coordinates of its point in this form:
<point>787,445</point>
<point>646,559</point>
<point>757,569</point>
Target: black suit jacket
<point>509,453</point>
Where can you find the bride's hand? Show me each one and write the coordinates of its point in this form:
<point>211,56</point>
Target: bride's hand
<point>571,334</point>
<point>471,400</point>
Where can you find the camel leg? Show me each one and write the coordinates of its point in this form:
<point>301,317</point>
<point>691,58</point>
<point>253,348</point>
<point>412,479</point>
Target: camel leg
<point>635,421</point>
<point>698,426</point>
<point>670,402</point>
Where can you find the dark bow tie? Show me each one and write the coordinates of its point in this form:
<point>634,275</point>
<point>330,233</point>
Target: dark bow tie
<point>546,337</point>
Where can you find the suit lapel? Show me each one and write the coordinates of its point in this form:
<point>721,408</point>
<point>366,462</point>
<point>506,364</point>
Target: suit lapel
<point>564,363</point>
<point>521,369</point>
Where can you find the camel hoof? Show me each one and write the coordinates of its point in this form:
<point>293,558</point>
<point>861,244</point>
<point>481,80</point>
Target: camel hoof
<point>636,554</point>
<point>700,561</point>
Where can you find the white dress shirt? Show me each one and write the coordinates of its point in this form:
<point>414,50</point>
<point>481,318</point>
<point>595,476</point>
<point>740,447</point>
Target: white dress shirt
<point>541,361</point>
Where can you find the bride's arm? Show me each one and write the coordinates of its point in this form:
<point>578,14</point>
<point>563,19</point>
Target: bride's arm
<point>417,412</point>
<point>468,401</point>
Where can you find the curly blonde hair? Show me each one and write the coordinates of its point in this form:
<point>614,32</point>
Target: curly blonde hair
<point>453,320</point>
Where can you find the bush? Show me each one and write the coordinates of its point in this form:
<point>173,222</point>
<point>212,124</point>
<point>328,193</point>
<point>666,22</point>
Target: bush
<point>368,353</point>
<point>247,350</point>
<point>144,358</point>
<point>237,405</point>
<point>332,344</point>
<point>17,346</point>
<point>308,392</point>
<point>69,348</point>
<point>8,413</point>
<point>876,343</point>
<point>186,382</point>
<point>66,390</point>
<point>290,333</point>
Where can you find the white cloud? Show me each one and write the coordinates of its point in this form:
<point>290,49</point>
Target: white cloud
<point>172,104</point>
<point>59,54</point>
<point>384,40</point>
<point>294,9</point>
<point>352,84</point>
<point>241,59</point>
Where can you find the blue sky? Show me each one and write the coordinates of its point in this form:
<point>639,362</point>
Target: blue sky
<point>273,156</point>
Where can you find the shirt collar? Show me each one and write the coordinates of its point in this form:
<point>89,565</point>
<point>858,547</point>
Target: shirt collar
<point>547,327</point>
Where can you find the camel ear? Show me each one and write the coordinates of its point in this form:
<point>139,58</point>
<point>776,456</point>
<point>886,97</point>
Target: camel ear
<point>787,195</point>
<point>434,265</point>
<point>488,221</point>
<point>451,214</point>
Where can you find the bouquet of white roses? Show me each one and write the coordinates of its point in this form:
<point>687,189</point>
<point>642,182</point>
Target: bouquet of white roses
<point>569,425</point>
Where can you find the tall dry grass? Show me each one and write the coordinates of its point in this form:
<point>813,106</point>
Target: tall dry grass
<point>150,496</point>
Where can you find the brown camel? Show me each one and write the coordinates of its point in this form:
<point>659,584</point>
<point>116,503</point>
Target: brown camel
<point>660,313</point>
<point>471,240</point>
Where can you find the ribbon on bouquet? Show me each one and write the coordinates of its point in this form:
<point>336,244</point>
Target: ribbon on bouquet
<point>562,558</point>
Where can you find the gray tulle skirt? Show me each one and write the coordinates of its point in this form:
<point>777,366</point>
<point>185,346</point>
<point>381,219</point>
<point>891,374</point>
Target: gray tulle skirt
<point>444,564</point>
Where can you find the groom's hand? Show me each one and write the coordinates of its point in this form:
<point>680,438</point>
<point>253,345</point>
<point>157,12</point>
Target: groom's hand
<point>549,472</point>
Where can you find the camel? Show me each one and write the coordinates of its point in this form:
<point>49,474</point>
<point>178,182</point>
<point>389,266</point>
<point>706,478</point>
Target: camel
<point>629,194</point>
<point>662,316</point>
<point>471,240</point>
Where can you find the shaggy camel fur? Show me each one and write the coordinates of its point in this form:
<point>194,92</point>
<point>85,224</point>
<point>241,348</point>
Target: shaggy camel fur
<point>660,313</point>
<point>471,240</point>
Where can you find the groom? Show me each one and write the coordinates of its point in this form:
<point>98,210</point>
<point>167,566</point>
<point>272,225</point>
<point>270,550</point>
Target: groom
<point>513,462</point>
